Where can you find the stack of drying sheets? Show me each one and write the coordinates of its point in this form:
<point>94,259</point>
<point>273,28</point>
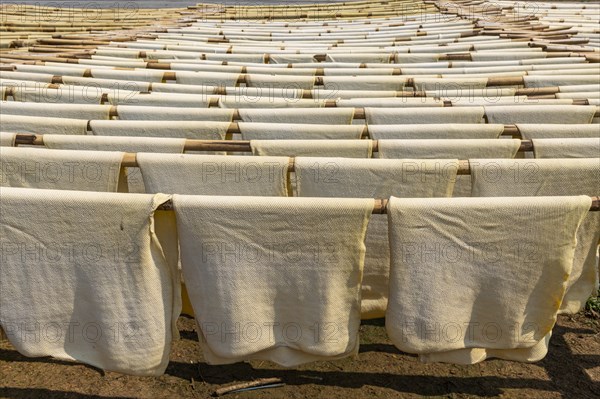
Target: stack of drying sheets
<point>290,177</point>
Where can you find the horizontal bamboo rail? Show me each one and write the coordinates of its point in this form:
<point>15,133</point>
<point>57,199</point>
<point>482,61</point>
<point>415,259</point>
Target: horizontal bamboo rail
<point>380,206</point>
<point>234,128</point>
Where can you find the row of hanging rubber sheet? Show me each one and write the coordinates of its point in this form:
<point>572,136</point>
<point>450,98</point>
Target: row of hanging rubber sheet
<point>396,75</point>
<point>29,86</point>
<point>138,70</point>
<point>195,72</point>
<point>284,98</point>
<point>279,279</point>
<point>60,151</point>
<point>220,123</point>
<point>394,141</point>
<point>496,114</point>
<point>449,95</point>
<point>18,160</point>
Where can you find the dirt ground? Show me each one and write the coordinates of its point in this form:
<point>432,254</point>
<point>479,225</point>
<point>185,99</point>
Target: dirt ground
<point>571,370</point>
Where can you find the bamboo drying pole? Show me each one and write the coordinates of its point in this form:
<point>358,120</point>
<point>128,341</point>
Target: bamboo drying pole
<point>234,128</point>
<point>380,206</point>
